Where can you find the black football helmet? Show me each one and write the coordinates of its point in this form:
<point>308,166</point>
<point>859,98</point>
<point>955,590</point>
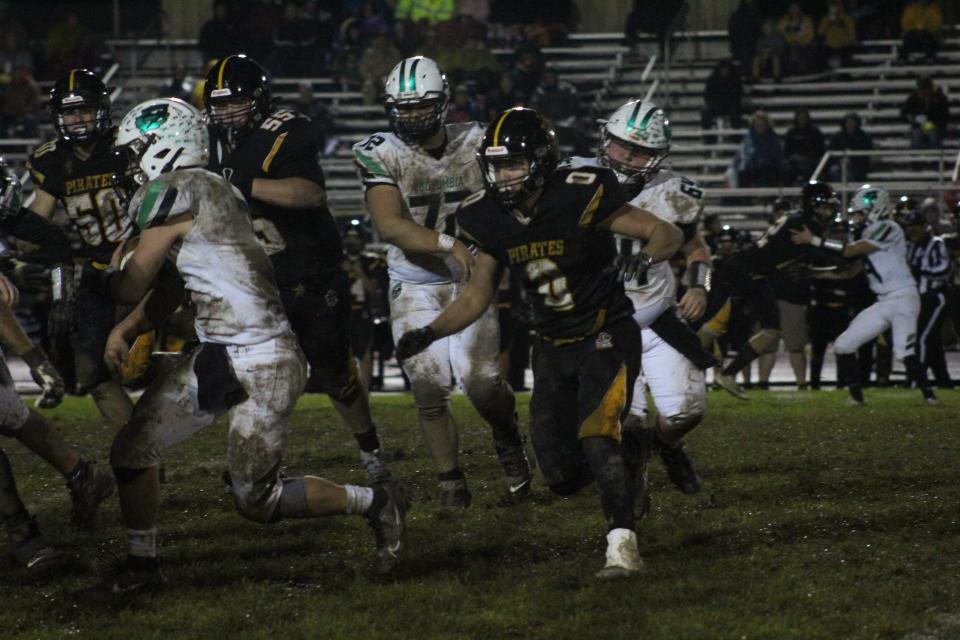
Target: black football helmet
<point>80,90</point>
<point>517,135</point>
<point>236,95</point>
<point>819,202</point>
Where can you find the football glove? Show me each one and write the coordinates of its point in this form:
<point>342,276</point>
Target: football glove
<point>413,342</point>
<point>45,375</point>
<point>633,267</point>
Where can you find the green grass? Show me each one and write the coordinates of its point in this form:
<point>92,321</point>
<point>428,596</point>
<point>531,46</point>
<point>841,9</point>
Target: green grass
<point>816,520</point>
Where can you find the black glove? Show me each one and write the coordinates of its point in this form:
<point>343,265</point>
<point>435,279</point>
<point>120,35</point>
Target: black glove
<point>633,267</point>
<point>413,342</point>
<point>64,300</point>
<point>28,276</point>
<point>45,375</point>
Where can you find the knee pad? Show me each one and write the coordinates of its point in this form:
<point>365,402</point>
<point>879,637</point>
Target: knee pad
<point>570,487</point>
<point>680,425</point>
<point>432,413</point>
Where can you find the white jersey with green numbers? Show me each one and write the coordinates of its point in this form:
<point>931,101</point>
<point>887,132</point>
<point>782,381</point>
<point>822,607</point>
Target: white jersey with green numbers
<point>432,188</point>
<point>887,269</point>
<point>224,267</point>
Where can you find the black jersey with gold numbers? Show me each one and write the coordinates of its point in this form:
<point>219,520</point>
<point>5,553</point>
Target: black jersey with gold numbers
<point>301,242</point>
<point>564,261</point>
<point>83,184</point>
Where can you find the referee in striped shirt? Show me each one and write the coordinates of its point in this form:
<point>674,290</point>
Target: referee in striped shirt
<point>932,266</point>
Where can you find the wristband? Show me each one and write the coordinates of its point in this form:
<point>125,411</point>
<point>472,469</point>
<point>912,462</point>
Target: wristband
<point>445,243</point>
<point>700,275</point>
<point>835,246</point>
<point>816,241</point>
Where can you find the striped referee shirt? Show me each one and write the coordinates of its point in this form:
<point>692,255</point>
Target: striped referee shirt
<point>932,264</point>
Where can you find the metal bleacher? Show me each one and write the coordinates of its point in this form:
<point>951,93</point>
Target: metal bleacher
<point>607,73</point>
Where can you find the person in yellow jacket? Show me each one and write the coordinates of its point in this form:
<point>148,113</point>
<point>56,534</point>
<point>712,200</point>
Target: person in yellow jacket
<point>433,11</point>
<point>797,30</point>
<point>920,23</point>
<point>837,32</point>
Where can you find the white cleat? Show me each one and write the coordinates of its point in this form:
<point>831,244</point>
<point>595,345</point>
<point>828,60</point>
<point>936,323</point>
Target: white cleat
<point>728,384</point>
<point>853,402</point>
<point>623,556</point>
<point>933,402</point>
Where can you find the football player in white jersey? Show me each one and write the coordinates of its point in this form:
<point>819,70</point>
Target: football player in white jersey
<point>884,251</point>
<point>634,142</point>
<point>249,363</point>
<point>414,177</point>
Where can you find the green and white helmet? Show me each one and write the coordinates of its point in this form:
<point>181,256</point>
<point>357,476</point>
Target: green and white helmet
<point>413,84</point>
<point>161,135</point>
<point>873,203</point>
<point>638,127</point>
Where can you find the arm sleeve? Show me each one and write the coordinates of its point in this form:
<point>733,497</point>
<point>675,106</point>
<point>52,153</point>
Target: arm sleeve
<point>26,225</point>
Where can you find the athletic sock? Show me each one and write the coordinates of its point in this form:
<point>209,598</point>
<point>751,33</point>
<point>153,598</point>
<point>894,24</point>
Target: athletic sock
<point>368,441</point>
<point>745,356</point>
<point>142,543</point>
<point>453,474</point>
<point>359,499</point>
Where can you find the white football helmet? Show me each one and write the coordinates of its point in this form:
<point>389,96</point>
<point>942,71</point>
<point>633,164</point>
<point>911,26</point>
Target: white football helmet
<point>161,135</point>
<point>414,84</point>
<point>639,127</point>
<point>873,203</point>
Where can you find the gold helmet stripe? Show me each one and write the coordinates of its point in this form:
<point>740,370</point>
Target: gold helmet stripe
<point>496,131</point>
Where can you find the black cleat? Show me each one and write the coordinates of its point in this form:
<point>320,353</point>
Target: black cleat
<point>138,575</point>
<point>680,469</point>
<point>517,474</point>
<point>88,488</point>
<point>386,518</point>
<point>34,554</point>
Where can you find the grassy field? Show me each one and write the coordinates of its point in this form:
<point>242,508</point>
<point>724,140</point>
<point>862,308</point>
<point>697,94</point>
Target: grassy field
<point>816,520</point>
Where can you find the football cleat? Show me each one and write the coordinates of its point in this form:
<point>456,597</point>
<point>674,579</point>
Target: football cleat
<point>387,521</point>
<point>517,474</point>
<point>728,384</point>
<point>680,469</point>
<point>454,493</point>
<point>623,556</point>
<point>377,470</point>
<point>35,555</point>
<point>138,575</point>
<point>88,488</point>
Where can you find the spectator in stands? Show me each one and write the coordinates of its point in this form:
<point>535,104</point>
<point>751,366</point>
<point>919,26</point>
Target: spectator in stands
<point>744,29</point>
<point>503,97</point>
<point>803,146</point>
<point>838,34</point>
<point>527,70</point>
<point>21,102</point>
<point>927,111</point>
<point>323,24</point>
<point>852,137</point>
<point>372,21</point>
<point>432,12</point>
<point>219,36</point>
<point>405,39</point>
<point>560,103</point>
<point>345,66</point>
<point>69,45</point>
<point>760,157</point>
<point>473,62</point>
<point>722,97</point>
<point>375,63</point>
<point>770,49</point>
<point>321,120</point>
<point>658,18</point>
<point>293,43</point>
<point>463,108</point>
<point>14,56</point>
<point>797,30</point>
<point>179,86</point>
<point>921,23</point>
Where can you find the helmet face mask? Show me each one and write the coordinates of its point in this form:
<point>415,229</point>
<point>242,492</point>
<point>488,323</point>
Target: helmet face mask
<point>509,176</point>
<point>873,203</point>
<point>820,202</point>
<point>231,114</point>
<point>416,95</point>
<point>634,142</point>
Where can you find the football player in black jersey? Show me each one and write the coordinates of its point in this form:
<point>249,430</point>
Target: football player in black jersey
<point>76,170</point>
<point>271,156</point>
<point>554,229</point>
<point>744,276</point>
